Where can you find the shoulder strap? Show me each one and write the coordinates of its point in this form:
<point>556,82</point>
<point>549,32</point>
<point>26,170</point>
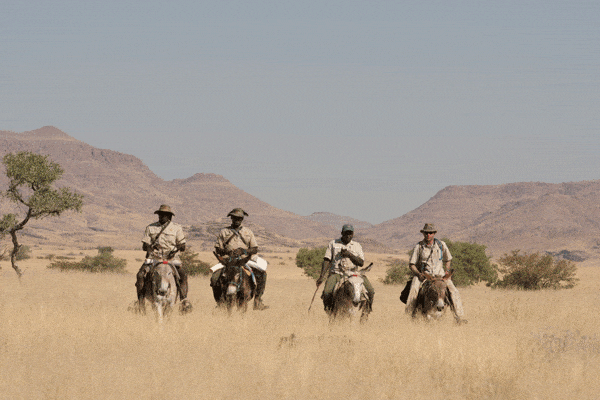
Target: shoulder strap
<point>439,243</point>
<point>235,233</point>
<point>159,233</point>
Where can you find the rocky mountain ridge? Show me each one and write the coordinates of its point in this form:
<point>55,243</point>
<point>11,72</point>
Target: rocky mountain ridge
<point>121,194</point>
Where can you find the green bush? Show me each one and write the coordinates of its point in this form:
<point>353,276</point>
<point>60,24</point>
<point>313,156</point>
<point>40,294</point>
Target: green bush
<point>311,261</point>
<point>397,273</point>
<point>192,265</point>
<point>535,271</point>
<point>24,253</point>
<point>470,263</point>
<point>103,262</point>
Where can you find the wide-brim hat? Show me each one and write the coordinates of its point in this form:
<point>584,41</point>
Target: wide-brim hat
<point>237,212</point>
<point>164,209</point>
<point>429,228</point>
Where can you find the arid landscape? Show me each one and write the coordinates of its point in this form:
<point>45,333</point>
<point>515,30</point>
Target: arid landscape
<point>71,336</point>
<point>121,194</point>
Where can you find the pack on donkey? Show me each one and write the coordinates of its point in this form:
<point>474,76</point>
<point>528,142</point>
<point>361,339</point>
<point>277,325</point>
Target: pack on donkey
<point>236,246</point>
<point>430,263</point>
<point>340,269</point>
<point>162,242</point>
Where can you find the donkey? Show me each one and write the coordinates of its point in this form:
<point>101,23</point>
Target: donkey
<point>237,285</point>
<point>433,296</point>
<point>350,297</point>
<point>160,289</point>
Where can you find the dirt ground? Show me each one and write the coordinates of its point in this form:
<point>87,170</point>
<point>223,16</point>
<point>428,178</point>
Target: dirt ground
<point>70,336</point>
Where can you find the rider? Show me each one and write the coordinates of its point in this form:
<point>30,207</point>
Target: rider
<point>235,241</point>
<point>164,239</point>
<point>432,256</point>
<point>342,254</point>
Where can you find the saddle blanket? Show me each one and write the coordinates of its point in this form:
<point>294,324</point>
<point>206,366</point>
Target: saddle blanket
<point>260,264</point>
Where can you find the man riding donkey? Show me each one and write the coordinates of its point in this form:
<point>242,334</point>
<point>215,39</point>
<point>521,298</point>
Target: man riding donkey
<point>237,241</point>
<point>433,257</point>
<point>343,254</point>
<point>164,239</point>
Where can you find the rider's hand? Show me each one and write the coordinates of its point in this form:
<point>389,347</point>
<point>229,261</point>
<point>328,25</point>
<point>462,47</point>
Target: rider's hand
<point>319,281</point>
<point>237,252</point>
<point>422,277</point>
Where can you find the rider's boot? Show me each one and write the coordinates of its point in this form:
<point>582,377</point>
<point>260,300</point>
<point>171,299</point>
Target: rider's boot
<point>186,306</point>
<point>261,283</point>
<point>139,286</point>
<point>370,302</point>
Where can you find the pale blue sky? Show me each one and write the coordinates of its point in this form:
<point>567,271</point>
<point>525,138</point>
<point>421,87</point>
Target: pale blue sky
<point>364,109</point>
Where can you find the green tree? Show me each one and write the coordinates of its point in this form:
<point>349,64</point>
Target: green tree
<point>30,185</point>
<point>535,271</point>
<point>311,261</point>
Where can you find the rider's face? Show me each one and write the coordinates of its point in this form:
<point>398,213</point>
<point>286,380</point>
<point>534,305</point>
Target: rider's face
<point>428,236</point>
<point>347,236</point>
<point>163,217</point>
<point>236,221</point>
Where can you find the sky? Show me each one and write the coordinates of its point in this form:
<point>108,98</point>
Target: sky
<point>364,109</point>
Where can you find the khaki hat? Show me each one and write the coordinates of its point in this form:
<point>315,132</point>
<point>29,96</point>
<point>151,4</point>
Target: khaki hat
<point>164,209</point>
<point>347,227</point>
<point>429,228</point>
<point>237,212</point>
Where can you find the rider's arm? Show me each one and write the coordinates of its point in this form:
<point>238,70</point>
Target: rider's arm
<point>324,270</point>
<point>356,260</point>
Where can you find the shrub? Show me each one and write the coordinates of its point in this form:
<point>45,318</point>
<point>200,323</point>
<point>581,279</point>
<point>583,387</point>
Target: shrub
<point>24,253</point>
<point>192,265</point>
<point>470,263</point>
<point>311,261</point>
<point>103,262</point>
<point>397,273</point>
<point>536,271</point>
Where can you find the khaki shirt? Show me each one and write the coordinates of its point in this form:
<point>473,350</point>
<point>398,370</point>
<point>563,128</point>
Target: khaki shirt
<point>339,264</point>
<point>168,241</point>
<point>432,263</point>
<point>245,240</point>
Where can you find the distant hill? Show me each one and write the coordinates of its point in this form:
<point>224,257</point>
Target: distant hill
<point>337,221</point>
<point>529,216</point>
<point>121,194</point>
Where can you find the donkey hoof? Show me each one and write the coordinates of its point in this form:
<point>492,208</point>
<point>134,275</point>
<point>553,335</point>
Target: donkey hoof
<point>185,307</point>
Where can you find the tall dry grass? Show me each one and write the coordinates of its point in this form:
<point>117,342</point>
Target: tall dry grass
<point>70,336</point>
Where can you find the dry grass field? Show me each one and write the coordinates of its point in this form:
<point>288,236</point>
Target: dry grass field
<point>70,336</point>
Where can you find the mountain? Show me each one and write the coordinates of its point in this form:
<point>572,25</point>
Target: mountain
<point>529,216</point>
<point>337,221</point>
<point>121,194</point>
